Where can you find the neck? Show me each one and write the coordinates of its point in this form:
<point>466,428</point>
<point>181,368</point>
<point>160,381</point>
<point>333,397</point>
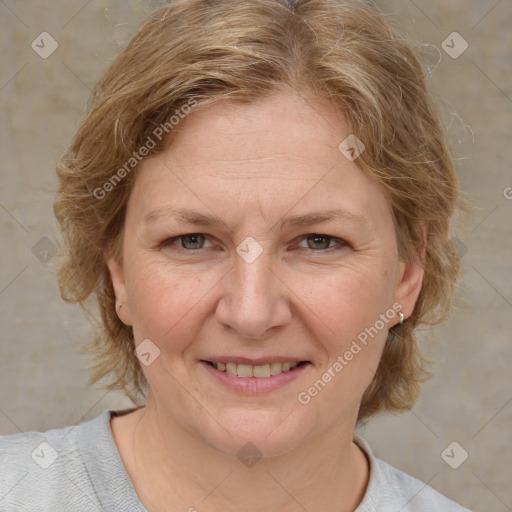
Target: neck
<point>323,473</point>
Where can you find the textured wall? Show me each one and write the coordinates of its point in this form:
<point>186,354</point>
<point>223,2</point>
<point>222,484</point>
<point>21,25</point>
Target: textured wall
<point>43,378</point>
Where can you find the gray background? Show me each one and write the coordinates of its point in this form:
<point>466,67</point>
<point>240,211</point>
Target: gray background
<point>43,377</point>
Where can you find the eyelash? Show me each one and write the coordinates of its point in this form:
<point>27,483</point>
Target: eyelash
<point>341,243</point>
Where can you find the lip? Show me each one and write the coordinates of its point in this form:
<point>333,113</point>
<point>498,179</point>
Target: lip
<point>257,361</point>
<point>254,385</point>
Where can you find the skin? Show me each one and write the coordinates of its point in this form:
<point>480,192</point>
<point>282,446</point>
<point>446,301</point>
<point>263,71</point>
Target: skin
<point>250,166</point>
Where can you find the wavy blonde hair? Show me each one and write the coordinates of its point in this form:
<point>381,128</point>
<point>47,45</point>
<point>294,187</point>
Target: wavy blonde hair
<point>204,51</point>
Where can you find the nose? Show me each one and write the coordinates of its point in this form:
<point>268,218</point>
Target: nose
<point>254,301</point>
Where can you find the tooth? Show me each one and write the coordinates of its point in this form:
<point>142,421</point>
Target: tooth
<point>261,371</point>
<point>275,368</point>
<point>231,368</point>
<point>244,370</point>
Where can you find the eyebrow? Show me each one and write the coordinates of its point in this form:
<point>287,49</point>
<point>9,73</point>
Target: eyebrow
<point>200,219</point>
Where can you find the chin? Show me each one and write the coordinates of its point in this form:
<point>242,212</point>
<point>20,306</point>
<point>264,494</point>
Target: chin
<point>267,434</point>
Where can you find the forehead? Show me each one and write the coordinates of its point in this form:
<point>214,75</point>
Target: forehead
<point>271,156</point>
<point>282,124</point>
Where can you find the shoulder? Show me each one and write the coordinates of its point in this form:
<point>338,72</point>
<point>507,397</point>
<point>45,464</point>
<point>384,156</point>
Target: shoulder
<point>390,489</point>
<point>47,470</point>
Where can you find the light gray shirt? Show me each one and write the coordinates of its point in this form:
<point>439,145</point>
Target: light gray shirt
<point>78,468</point>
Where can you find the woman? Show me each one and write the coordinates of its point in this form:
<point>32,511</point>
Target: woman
<point>259,202</point>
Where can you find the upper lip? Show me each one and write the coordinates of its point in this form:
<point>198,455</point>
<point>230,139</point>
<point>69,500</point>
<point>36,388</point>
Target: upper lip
<point>254,361</point>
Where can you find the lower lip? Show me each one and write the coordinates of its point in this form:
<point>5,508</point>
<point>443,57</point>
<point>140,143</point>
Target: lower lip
<point>255,385</point>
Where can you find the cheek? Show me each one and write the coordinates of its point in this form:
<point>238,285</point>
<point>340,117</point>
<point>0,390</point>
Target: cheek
<point>355,313</point>
<point>348,299</point>
<point>163,300</point>
<point>354,310</point>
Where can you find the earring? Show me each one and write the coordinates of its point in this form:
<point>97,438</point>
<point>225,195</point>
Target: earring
<point>119,306</point>
<point>401,315</point>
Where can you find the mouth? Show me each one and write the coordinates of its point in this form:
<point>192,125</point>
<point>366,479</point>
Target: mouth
<point>262,371</point>
<point>252,379</point>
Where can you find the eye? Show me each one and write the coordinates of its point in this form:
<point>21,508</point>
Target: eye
<point>320,242</point>
<point>196,241</point>
<point>189,242</point>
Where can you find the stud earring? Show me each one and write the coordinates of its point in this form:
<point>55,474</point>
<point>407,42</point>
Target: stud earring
<point>401,315</point>
<point>119,306</point>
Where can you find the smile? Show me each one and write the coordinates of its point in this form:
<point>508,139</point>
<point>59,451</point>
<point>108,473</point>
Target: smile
<point>254,379</point>
<point>261,371</point>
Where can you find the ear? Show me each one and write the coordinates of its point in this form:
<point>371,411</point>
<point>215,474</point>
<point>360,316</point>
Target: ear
<point>410,279</point>
<point>119,284</point>
<point>408,288</point>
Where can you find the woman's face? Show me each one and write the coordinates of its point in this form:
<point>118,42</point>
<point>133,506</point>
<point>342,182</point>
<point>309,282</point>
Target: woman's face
<point>252,238</point>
